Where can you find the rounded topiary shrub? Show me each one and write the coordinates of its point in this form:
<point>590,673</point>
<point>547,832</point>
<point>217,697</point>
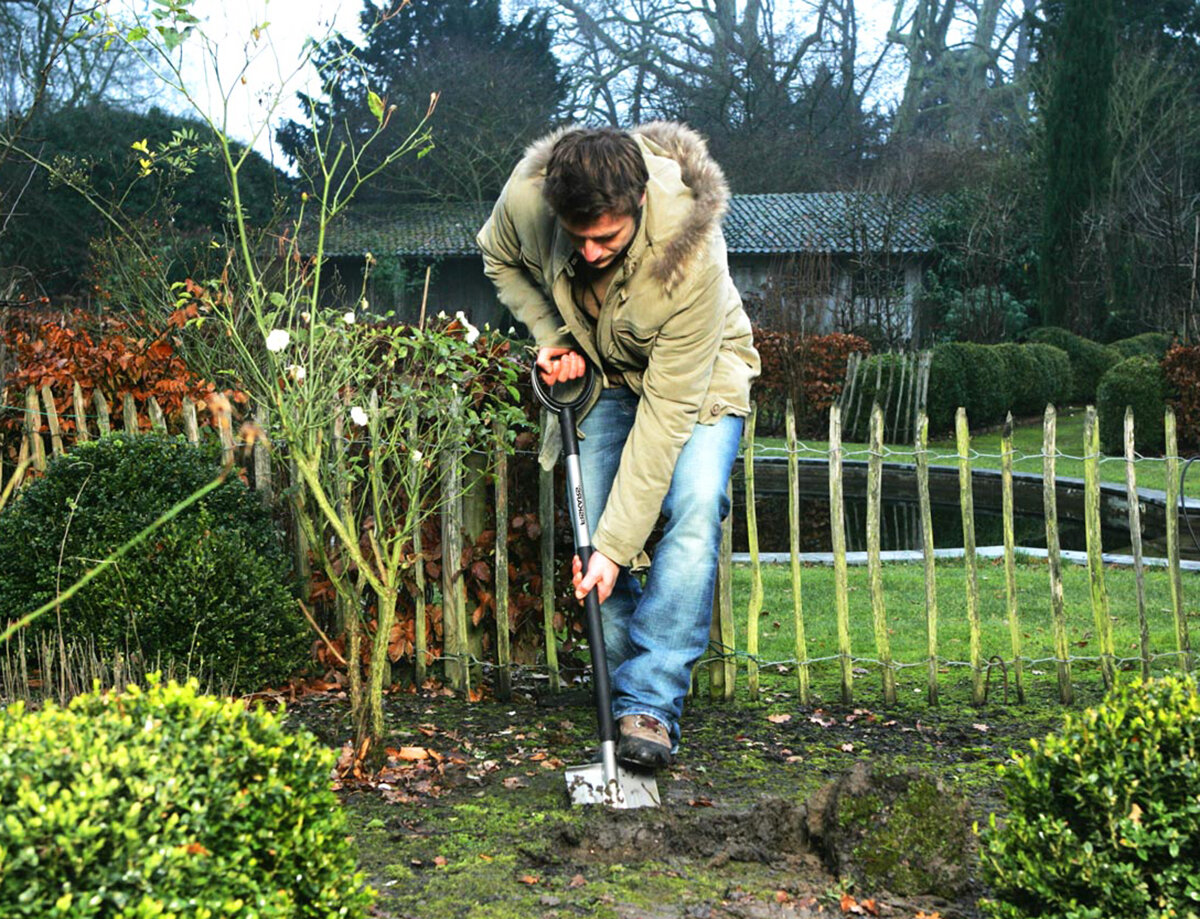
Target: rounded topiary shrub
<point>949,372</point>
<point>210,589</point>
<point>970,376</point>
<point>1104,815</point>
<point>1052,368</point>
<point>1150,344</point>
<point>170,804</point>
<point>1140,384</point>
<point>1090,360</point>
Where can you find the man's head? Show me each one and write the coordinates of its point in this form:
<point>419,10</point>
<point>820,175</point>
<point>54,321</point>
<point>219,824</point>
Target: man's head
<point>594,173</point>
<point>596,184</point>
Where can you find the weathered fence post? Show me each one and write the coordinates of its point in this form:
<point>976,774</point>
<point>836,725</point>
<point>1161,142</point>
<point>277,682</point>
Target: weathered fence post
<point>33,430</point>
<point>191,427</point>
<point>931,604</point>
<point>1095,547</point>
<point>129,415</point>
<point>56,441</point>
<point>801,643</point>
<point>81,429</point>
<point>1010,562</point>
<point>1050,509</point>
<point>875,568</point>
<point>546,516</point>
<point>1182,641</point>
<point>1135,537</point>
<point>837,526</point>
<point>967,506</point>
<point>103,421</point>
<point>262,454</point>
<point>503,650</point>
<point>455,636</point>
<point>158,421</point>
<point>754,609</point>
<point>224,431</point>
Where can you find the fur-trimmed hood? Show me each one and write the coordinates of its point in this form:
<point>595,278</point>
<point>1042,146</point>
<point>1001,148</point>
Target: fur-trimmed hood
<point>699,172</point>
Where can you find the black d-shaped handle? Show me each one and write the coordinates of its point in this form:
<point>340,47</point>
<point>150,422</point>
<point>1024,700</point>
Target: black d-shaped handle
<point>571,394</point>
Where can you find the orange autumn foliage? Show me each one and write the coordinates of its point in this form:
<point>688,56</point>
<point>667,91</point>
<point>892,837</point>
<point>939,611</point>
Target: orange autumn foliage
<point>105,354</point>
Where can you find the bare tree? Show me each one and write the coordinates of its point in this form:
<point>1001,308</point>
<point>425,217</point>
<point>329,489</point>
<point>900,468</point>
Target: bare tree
<point>54,52</point>
<point>963,59</point>
<point>771,91</point>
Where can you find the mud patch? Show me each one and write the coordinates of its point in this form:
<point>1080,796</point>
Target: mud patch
<point>773,831</point>
<point>483,828</point>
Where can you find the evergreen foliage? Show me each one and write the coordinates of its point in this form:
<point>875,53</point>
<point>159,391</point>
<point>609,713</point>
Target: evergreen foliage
<point>1103,817</point>
<point>498,85</point>
<point>1078,48</point>
<point>170,804</point>
<point>208,590</point>
<point>1140,384</point>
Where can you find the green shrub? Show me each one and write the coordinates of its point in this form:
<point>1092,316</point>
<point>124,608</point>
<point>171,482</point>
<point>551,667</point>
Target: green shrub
<point>1052,369</point>
<point>949,379</point>
<point>210,587</point>
<point>1105,815</point>
<point>169,804</point>
<point>1139,383</point>
<point>1089,360</point>
<point>1150,344</point>
<point>968,375</point>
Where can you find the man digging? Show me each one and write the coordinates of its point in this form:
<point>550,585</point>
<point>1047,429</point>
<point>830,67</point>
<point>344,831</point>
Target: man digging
<point>607,245</point>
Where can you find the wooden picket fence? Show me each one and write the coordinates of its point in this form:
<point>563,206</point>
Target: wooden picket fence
<point>460,651</point>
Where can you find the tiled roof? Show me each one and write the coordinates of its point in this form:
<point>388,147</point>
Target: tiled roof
<point>828,222</point>
<point>418,230</point>
<point>755,224</point>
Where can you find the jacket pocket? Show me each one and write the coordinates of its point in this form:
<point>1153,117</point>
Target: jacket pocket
<point>631,344</point>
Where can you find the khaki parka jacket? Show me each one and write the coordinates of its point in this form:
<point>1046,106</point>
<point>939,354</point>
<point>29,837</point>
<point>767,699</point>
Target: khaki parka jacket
<point>671,326</point>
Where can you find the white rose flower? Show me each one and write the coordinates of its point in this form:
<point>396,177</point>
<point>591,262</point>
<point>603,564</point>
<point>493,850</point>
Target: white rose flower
<point>358,416</point>
<point>472,332</point>
<point>348,318</point>
<point>278,339</point>
<point>296,373</point>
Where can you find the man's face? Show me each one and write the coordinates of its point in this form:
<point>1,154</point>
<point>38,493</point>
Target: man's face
<point>602,241</point>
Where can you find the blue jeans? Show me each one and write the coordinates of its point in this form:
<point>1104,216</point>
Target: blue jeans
<point>654,634</point>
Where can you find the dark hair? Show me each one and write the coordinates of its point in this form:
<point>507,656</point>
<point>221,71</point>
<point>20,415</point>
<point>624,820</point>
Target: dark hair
<point>593,172</point>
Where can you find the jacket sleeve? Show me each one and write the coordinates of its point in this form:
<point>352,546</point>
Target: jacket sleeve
<point>505,255</point>
<point>675,384</point>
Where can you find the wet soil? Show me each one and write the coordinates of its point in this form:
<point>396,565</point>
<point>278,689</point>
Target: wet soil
<point>466,813</point>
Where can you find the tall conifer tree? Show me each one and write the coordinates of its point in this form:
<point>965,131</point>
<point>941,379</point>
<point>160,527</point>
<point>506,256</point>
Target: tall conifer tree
<point>1079,46</point>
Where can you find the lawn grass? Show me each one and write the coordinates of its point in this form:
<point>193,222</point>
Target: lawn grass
<point>904,597</point>
<point>1027,448</point>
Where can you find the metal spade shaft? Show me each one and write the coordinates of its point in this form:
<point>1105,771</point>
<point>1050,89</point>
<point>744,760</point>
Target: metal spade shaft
<point>604,782</point>
<point>583,548</point>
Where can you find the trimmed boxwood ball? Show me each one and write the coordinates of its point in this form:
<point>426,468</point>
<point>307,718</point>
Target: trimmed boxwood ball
<point>170,804</point>
<point>1090,360</point>
<point>1104,815</point>
<point>209,590</point>
<point>1151,344</point>
<point>1140,384</point>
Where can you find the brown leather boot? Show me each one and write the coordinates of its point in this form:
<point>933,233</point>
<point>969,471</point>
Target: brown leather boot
<point>645,742</point>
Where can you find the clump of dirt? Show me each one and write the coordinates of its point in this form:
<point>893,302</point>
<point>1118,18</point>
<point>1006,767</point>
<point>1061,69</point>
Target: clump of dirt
<point>903,831</point>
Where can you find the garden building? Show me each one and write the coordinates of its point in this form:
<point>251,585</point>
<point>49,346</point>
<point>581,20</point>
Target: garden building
<point>813,262</point>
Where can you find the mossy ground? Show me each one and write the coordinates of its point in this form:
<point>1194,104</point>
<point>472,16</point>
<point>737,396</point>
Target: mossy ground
<point>481,826</point>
